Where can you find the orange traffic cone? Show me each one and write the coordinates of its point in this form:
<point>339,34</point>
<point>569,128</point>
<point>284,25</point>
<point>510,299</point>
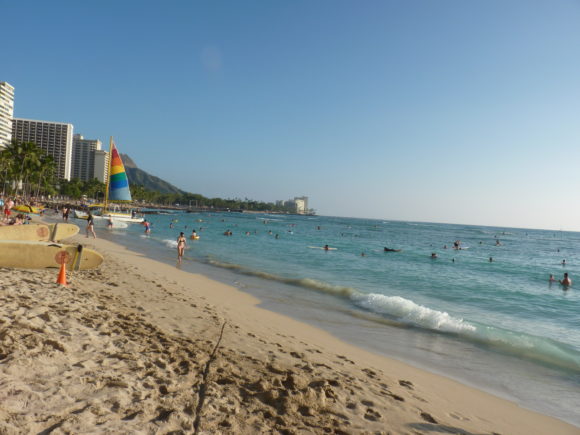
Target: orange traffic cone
<point>62,275</point>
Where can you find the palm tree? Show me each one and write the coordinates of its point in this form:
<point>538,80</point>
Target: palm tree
<point>6,168</point>
<point>46,172</point>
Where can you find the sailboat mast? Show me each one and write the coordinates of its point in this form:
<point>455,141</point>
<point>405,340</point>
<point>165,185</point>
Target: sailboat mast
<point>108,173</point>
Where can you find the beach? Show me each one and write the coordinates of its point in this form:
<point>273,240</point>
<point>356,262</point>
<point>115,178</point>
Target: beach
<point>141,346</point>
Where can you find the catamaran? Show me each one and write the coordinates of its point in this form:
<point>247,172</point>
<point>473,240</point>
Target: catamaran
<point>117,191</point>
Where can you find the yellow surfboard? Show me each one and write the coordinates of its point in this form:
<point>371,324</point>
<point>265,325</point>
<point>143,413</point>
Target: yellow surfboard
<point>40,255</point>
<point>26,209</point>
<point>38,232</point>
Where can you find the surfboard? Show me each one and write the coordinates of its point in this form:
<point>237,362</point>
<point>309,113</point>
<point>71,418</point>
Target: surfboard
<point>322,247</point>
<point>62,231</point>
<point>26,209</point>
<point>38,232</point>
<point>41,255</point>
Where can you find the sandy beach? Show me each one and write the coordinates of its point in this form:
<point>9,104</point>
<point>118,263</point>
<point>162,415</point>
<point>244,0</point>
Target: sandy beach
<point>139,346</point>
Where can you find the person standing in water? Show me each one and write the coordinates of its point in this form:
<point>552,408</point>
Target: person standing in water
<point>566,282</point>
<point>180,246</point>
<point>91,226</point>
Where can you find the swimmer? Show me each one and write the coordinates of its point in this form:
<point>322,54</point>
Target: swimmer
<point>564,262</point>
<point>433,255</point>
<point>551,279</point>
<point>326,248</point>
<point>180,246</point>
<point>362,254</point>
<point>385,249</point>
<point>566,282</point>
<point>491,259</point>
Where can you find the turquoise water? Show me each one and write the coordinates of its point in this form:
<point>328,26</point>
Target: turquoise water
<point>498,325</point>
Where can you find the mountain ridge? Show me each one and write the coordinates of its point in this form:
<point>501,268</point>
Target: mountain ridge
<point>140,177</point>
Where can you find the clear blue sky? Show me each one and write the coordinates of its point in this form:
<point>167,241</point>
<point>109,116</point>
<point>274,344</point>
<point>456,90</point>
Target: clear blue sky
<point>446,111</point>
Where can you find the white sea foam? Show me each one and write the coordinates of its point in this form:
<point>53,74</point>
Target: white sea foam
<point>170,243</point>
<point>409,311</point>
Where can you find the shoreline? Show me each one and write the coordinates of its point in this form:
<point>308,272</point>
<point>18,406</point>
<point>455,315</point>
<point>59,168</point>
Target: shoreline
<point>308,378</point>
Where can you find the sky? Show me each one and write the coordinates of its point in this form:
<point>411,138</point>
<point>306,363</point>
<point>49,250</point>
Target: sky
<point>441,111</point>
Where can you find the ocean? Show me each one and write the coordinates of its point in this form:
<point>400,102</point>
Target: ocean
<point>499,326</point>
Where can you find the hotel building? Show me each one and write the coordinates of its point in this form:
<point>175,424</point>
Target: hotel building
<point>6,113</point>
<point>55,138</point>
<point>101,172</point>
<point>83,159</point>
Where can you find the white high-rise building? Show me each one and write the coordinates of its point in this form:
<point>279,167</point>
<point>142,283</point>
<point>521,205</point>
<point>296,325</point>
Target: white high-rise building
<point>6,113</point>
<point>83,157</point>
<point>301,204</point>
<point>101,171</point>
<point>55,138</point>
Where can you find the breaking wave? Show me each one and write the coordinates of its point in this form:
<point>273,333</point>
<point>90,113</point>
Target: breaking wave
<point>407,312</point>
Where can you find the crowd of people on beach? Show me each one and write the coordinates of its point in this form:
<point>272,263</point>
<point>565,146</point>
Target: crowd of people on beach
<point>7,217</point>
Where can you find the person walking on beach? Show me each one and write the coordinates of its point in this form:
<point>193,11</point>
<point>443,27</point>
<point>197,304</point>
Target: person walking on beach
<point>91,226</point>
<point>180,246</point>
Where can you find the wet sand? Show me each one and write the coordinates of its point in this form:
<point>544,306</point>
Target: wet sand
<point>141,346</point>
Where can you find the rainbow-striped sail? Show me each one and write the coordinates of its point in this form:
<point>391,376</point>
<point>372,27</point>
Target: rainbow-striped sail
<point>118,181</point>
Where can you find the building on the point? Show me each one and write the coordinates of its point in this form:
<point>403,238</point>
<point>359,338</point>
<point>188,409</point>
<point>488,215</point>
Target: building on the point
<point>6,113</point>
<point>301,204</point>
<point>83,158</point>
<point>55,138</point>
<point>101,166</point>
<point>298,205</point>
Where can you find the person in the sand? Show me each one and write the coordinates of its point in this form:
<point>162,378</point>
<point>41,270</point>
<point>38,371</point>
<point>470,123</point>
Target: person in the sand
<point>180,246</point>
<point>566,282</point>
<point>91,226</point>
